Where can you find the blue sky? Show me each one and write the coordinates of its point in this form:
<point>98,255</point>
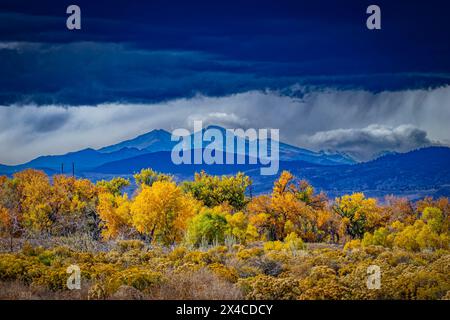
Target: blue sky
<point>158,52</point>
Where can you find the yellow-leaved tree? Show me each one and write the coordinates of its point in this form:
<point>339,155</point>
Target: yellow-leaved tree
<point>34,190</point>
<point>10,213</point>
<point>161,212</point>
<point>114,212</point>
<point>73,203</point>
<point>359,214</point>
<point>293,207</point>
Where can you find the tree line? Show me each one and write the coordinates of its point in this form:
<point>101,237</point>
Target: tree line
<point>213,210</point>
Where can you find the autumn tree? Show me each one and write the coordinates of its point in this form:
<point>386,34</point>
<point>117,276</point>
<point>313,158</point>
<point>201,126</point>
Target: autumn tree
<point>148,177</point>
<point>215,190</point>
<point>359,214</point>
<point>398,209</point>
<point>115,215</point>
<point>301,190</point>
<point>113,186</point>
<point>263,218</point>
<point>435,219</point>
<point>427,233</point>
<point>161,212</point>
<point>443,204</point>
<point>420,236</point>
<point>329,226</point>
<point>293,207</point>
<point>239,227</point>
<point>3,180</point>
<point>291,214</point>
<point>11,224</point>
<point>34,190</point>
<point>73,203</point>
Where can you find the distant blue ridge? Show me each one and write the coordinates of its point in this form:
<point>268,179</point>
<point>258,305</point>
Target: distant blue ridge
<point>422,172</point>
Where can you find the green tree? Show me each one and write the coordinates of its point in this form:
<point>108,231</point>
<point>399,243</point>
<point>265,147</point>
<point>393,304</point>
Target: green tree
<point>215,190</point>
<point>113,186</point>
<point>209,226</point>
<point>148,177</point>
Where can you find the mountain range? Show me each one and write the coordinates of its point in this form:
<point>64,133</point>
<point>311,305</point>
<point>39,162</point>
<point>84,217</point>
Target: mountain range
<point>414,174</point>
<point>152,142</point>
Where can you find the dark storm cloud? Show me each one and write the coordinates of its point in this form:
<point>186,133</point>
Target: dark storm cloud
<point>91,73</point>
<point>159,50</point>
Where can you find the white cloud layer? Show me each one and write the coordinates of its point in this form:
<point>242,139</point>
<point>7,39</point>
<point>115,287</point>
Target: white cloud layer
<point>355,121</point>
<point>368,142</point>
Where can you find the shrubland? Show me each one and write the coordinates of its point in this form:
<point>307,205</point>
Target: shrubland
<point>208,239</point>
